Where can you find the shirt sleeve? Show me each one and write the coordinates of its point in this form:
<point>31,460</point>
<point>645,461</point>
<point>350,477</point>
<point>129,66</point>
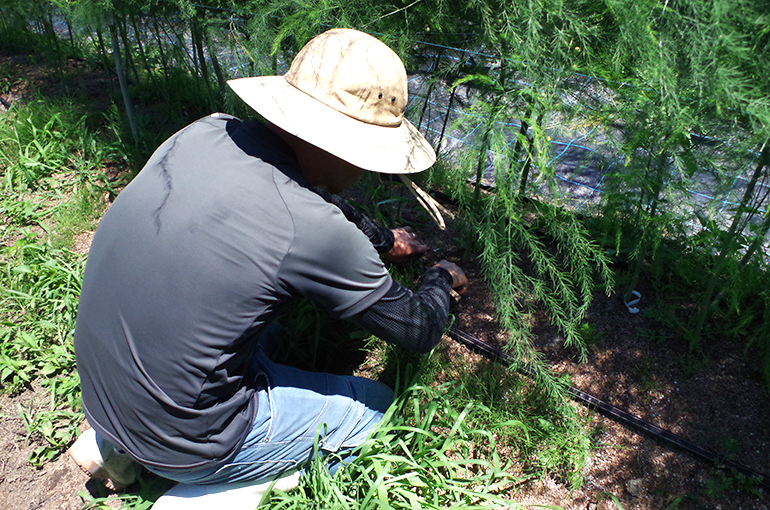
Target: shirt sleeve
<point>381,237</point>
<point>412,320</point>
<point>330,261</point>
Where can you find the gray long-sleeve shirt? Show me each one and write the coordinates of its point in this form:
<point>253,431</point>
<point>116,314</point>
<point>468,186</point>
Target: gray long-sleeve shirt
<point>187,267</point>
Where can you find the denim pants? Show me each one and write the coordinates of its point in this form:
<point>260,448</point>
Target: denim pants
<point>294,407</point>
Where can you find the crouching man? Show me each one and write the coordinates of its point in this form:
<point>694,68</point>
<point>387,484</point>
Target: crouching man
<point>228,222</point>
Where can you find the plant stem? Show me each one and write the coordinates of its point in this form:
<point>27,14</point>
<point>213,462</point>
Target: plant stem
<point>197,40</point>
<point>163,60</point>
<point>451,101</point>
<point>211,48</point>
<point>431,86</point>
<point>645,215</point>
<point>528,162</point>
<point>482,161</point>
<point>123,82</point>
<point>142,53</point>
<point>709,302</point>
<point>127,45</point>
<point>72,38</point>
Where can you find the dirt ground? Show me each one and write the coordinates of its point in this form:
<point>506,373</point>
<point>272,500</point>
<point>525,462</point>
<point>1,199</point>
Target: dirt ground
<point>722,406</point>
<point>55,486</point>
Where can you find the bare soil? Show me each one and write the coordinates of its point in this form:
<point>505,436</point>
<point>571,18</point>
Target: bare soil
<point>722,404</point>
<point>55,486</point>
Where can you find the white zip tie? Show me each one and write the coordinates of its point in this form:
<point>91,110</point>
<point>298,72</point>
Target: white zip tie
<point>630,304</point>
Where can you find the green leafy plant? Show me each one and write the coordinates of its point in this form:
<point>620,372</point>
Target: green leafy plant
<point>31,152</point>
<point>611,497</point>
<point>534,254</point>
<point>427,454</point>
<point>39,298</point>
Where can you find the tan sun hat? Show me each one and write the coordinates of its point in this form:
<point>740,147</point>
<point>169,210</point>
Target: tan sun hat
<point>345,92</point>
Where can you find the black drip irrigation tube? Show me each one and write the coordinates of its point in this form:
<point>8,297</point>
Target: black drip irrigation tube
<point>623,417</point>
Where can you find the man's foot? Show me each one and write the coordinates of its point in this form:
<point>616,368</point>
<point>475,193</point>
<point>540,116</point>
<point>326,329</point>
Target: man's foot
<point>236,496</point>
<point>99,460</point>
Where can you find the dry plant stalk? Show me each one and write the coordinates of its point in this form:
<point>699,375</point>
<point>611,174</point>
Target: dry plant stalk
<point>427,201</point>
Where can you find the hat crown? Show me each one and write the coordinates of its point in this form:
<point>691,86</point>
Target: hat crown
<point>354,73</point>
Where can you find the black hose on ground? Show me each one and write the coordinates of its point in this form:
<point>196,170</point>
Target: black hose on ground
<point>623,417</point>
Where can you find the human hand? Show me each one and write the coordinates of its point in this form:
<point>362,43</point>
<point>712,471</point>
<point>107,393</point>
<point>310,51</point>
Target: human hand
<point>459,280</point>
<point>405,245</point>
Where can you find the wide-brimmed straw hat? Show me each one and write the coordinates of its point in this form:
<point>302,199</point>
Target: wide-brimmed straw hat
<point>345,92</point>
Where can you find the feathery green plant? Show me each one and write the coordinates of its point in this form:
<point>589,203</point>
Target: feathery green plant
<point>694,73</point>
<point>533,254</point>
<point>427,454</point>
<point>641,193</point>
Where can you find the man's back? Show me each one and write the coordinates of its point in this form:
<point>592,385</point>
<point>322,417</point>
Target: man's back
<point>186,267</point>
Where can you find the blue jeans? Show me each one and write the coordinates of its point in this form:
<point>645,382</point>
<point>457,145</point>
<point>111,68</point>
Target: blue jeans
<point>294,407</point>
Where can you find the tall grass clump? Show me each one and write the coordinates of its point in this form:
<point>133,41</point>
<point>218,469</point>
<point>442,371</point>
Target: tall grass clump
<point>434,450</point>
<point>38,299</point>
<point>34,144</point>
<point>469,443</point>
<point>55,136</point>
<point>53,158</point>
<point>543,436</point>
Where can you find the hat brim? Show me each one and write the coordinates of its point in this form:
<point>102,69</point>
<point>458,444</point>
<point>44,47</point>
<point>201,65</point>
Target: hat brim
<point>389,150</point>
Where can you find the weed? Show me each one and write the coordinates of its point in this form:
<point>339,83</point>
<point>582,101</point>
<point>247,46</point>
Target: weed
<point>426,454</point>
<point>41,280</point>
<point>723,482</point>
<point>692,364</point>
<point>647,376</point>
<point>126,502</point>
<point>81,212</point>
<point>674,504</point>
<point>19,211</point>
<point>611,497</point>
<point>589,336</point>
<point>52,158</point>
<point>379,202</point>
<point>657,336</point>
<point>39,297</point>
<point>544,434</point>
<point>55,427</point>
